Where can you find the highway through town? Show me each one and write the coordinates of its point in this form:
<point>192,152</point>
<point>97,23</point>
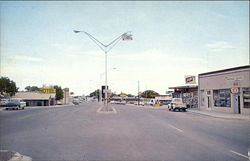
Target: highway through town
<point>78,132</point>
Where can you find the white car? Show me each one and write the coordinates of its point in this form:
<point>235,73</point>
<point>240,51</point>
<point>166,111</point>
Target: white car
<point>177,104</point>
<point>140,103</point>
<point>3,102</point>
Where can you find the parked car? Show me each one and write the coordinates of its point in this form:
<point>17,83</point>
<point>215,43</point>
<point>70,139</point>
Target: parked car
<point>58,103</point>
<point>15,104</point>
<point>3,102</point>
<point>75,102</point>
<point>140,103</point>
<point>177,104</point>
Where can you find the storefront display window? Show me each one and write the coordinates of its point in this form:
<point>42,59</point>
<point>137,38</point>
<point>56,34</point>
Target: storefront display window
<point>246,97</point>
<point>222,98</point>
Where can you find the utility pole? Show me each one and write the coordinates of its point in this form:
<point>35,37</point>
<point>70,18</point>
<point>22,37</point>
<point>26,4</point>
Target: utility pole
<point>138,92</point>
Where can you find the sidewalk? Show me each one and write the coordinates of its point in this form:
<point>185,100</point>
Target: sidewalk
<point>6,155</point>
<point>227,116</point>
<point>34,107</point>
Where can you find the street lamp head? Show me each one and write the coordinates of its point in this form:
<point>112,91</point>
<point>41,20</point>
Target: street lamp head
<point>76,31</point>
<point>127,36</point>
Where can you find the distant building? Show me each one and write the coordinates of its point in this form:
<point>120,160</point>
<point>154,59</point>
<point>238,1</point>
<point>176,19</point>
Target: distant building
<point>66,97</point>
<point>225,90</point>
<point>36,98</point>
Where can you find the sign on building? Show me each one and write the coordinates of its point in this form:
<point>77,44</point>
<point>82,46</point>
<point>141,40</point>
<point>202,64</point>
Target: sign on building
<point>48,90</point>
<point>190,79</point>
<point>234,90</point>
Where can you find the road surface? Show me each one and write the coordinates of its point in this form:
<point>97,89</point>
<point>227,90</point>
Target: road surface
<point>134,133</point>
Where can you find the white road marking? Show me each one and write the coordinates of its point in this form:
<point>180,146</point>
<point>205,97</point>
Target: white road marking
<point>175,128</point>
<point>106,112</point>
<point>239,154</point>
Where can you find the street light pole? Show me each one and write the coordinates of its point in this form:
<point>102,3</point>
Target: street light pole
<point>105,77</point>
<point>106,83</point>
<point>106,49</point>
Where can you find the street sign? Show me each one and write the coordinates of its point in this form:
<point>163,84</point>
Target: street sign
<point>234,90</point>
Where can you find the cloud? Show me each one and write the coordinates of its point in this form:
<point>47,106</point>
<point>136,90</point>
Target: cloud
<point>27,58</point>
<point>219,46</point>
<point>157,54</point>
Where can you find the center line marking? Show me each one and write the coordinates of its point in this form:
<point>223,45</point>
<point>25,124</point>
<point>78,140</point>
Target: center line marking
<point>175,128</point>
<point>238,154</point>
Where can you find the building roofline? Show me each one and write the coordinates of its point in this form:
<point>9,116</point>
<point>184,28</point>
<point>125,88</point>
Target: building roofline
<point>226,70</point>
<point>190,86</point>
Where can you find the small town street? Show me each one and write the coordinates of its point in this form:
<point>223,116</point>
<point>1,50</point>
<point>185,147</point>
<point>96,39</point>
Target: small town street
<point>78,132</point>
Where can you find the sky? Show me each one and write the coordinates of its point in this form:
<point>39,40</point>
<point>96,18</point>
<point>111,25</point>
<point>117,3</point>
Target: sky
<point>171,39</point>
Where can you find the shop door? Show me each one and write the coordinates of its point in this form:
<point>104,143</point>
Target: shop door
<point>209,101</point>
<point>237,103</point>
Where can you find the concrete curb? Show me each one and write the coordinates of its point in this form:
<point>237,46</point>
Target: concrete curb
<point>39,107</point>
<point>216,116</point>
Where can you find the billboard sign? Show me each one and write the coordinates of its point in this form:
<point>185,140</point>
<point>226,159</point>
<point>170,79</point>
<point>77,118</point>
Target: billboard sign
<point>48,90</point>
<point>190,79</point>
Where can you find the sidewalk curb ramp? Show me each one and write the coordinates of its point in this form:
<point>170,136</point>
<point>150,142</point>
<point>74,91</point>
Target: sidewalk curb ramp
<point>6,155</point>
<point>220,117</point>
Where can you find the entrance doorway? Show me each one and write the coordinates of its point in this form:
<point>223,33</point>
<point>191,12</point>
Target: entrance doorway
<point>237,103</point>
<point>209,101</point>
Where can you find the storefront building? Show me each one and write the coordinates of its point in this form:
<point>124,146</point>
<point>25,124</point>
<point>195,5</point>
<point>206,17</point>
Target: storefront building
<point>188,93</point>
<point>225,90</point>
<point>36,98</point>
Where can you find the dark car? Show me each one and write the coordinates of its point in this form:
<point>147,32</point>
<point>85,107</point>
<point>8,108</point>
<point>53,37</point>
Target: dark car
<point>15,104</point>
<point>75,102</point>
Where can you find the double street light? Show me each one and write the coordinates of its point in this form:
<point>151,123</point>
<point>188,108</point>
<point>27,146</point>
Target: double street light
<point>106,49</point>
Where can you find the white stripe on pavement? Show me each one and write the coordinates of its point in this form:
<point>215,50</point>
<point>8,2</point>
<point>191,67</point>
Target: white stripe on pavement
<point>239,154</point>
<point>175,128</point>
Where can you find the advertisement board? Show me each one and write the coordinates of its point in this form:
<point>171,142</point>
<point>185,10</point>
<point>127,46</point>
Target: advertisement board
<point>48,90</point>
<point>190,79</point>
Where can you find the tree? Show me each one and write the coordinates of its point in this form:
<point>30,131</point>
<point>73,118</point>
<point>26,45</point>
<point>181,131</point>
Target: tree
<point>95,93</point>
<point>32,88</point>
<point>59,92</point>
<point>149,94</point>
<point>7,86</point>
<point>130,95</point>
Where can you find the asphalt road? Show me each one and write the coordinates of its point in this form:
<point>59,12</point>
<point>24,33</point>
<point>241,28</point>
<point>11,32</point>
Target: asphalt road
<point>134,133</point>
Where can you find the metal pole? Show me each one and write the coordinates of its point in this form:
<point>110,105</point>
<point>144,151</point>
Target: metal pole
<point>106,82</point>
<point>106,48</point>
<point>138,92</point>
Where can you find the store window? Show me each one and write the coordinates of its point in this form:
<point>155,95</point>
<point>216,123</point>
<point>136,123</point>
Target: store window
<point>222,98</point>
<point>246,97</point>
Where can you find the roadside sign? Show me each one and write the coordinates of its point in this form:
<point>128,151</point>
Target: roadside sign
<point>48,90</point>
<point>190,79</point>
<point>234,90</point>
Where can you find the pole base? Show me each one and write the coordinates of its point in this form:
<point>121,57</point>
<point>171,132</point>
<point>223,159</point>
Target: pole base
<point>105,108</point>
